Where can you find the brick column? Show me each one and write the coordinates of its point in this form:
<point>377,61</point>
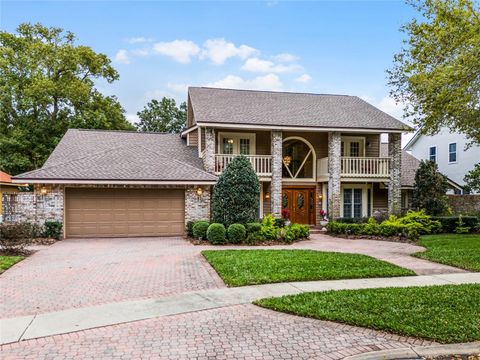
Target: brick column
<point>394,186</point>
<point>334,172</point>
<point>276,185</point>
<point>209,155</point>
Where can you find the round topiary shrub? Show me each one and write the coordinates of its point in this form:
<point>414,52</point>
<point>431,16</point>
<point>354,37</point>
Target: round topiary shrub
<point>199,229</point>
<point>216,234</point>
<point>236,233</point>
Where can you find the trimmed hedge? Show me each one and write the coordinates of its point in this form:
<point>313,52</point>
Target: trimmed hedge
<point>236,233</point>
<point>216,234</point>
<point>449,223</point>
<point>199,229</point>
<point>189,228</point>
<point>52,229</point>
<point>14,237</point>
<point>296,231</point>
<point>253,227</point>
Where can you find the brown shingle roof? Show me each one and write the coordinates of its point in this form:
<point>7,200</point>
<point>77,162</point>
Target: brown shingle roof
<point>268,108</point>
<point>410,165</point>
<point>120,155</point>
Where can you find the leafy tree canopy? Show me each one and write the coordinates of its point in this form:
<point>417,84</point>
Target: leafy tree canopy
<point>236,195</point>
<point>430,188</point>
<point>163,116</point>
<point>437,72</point>
<point>472,180</point>
<point>47,86</point>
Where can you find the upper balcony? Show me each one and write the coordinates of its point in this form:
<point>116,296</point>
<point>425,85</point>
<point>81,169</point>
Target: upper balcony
<point>357,168</point>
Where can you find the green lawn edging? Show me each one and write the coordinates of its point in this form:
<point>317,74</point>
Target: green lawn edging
<point>8,261</point>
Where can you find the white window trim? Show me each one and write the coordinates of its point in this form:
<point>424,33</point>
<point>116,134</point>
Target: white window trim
<point>364,188</point>
<point>236,138</point>
<point>349,139</point>
<point>436,153</point>
<point>456,153</point>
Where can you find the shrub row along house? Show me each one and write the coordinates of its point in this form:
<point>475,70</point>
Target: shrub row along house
<point>309,151</point>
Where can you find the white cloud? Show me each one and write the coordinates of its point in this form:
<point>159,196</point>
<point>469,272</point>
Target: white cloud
<point>180,88</point>
<point>140,52</point>
<point>305,78</point>
<point>266,66</point>
<point>267,82</point>
<point>137,40</point>
<point>219,50</point>
<point>285,57</point>
<point>133,118</point>
<point>180,50</point>
<point>122,57</point>
<point>388,105</point>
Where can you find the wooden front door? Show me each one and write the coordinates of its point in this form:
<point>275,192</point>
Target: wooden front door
<point>300,203</point>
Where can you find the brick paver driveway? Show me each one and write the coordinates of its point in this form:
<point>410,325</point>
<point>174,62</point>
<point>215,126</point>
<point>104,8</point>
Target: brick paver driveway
<point>235,332</point>
<point>82,272</point>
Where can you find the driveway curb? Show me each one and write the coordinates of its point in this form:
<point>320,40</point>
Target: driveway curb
<point>418,352</point>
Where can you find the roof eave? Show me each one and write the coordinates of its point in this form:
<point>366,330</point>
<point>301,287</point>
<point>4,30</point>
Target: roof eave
<point>112,182</point>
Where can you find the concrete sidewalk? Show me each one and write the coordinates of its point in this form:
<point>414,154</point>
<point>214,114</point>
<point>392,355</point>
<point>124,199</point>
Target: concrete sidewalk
<point>72,320</point>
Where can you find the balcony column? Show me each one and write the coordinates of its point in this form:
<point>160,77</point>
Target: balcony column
<point>276,185</point>
<point>334,174</point>
<point>209,155</point>
<point>394,186</point>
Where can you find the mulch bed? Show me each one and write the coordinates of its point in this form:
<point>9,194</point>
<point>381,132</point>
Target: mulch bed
<point>261,243</point>
<point>398,239</point>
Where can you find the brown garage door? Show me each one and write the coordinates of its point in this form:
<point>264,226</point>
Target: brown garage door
<point>124,212</point>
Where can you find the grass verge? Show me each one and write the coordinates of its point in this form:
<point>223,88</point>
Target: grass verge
<point>249,267</point>
<point>447,313</point>
<point>8,261</point>
<point>460,250</point>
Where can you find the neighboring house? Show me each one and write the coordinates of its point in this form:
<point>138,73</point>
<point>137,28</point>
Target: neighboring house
<point>410,165</point>
<point>448,151</point>
<point>310,152</point>
<point>6,187</point>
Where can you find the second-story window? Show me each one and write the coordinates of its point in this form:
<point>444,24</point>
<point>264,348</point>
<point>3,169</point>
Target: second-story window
<point>452,152</point>
<point>227,146</point>
<point>245,146</point>
<point>433,154</point>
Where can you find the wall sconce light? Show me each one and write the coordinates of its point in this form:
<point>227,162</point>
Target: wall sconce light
<point>320,196</point>
<point>199,191</point>
<point>287,160</point>
<point>43,190</point>
<point>267,195</point>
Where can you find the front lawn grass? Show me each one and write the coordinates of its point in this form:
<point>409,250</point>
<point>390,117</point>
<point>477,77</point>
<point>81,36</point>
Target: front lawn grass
<point>460,250</point>
<point>8,261</point>
<point>249,267</point>
<point>447,313</point>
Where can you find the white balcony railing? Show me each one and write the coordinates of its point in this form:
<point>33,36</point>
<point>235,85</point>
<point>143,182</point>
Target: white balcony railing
<point>262,164</point>
<point>358,167</point>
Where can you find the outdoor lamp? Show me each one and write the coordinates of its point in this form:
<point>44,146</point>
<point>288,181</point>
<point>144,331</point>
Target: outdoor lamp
<point>267,195</point>
<point>287,159</point>
<point>199,191</point>
<point>43,190</point>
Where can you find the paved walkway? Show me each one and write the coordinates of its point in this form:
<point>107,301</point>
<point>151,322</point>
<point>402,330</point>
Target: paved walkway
<point>54,323</point>
<point>76,273</point>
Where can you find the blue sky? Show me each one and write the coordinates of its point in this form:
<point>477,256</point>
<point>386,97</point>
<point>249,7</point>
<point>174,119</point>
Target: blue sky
<point>161,47</point>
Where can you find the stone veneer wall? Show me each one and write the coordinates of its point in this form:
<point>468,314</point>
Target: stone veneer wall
<point>33,206</point>
<point>209,156</point>
<point>334,174</point>
<point>197,207</point>
<point>276,184</point>
<point>394,186</point>
<point>465,204</point>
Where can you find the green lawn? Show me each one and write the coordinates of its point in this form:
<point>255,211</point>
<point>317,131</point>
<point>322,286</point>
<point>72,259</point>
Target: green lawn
<point>460,250</point>
<point>448,314</point>
<point>7,261</point>
<point>249,267</point>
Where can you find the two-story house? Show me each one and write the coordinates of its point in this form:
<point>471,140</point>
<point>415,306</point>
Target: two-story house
<point>310,152</point>
<point>449,150</point>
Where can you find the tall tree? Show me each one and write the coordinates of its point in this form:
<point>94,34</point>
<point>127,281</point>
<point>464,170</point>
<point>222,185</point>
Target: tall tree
<point>47,86</point>
<point>163,116</point>
<point>429,189</point>
<point>437,72</point>
<point>472,180</point>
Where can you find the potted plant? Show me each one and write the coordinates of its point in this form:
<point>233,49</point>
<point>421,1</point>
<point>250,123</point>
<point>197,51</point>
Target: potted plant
<point>286,216</point>
<point>323,218</point>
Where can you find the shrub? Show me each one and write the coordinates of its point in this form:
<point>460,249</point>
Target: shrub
<point>254,238</point>
<point>430,187</point>
<point>236,233</point>
<point>14,237</point>
<point>461,228</point>
<point>52,229</point>
<point>216,234</point>
<point>354,220</point>
<point>423,223</point>
<point>268,229</point>
<point>199,229</point>
<point>280,222</point>
<point>253,227</point>
<point>236,196</point>
<point>449,223</point>
<point>295,232</point>
<point>189,228</point>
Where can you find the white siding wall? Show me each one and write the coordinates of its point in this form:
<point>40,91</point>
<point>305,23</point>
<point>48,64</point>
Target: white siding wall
<point>465,159</point>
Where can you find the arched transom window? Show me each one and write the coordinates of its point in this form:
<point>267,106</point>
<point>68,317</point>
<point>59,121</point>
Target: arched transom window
<point>298,158</point>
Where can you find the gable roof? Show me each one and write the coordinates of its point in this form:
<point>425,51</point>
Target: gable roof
<point>284,109</point>
<point>116,156</point>
<point>5,178</point>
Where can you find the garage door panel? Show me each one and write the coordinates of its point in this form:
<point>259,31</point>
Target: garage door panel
<point>124,212</point>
